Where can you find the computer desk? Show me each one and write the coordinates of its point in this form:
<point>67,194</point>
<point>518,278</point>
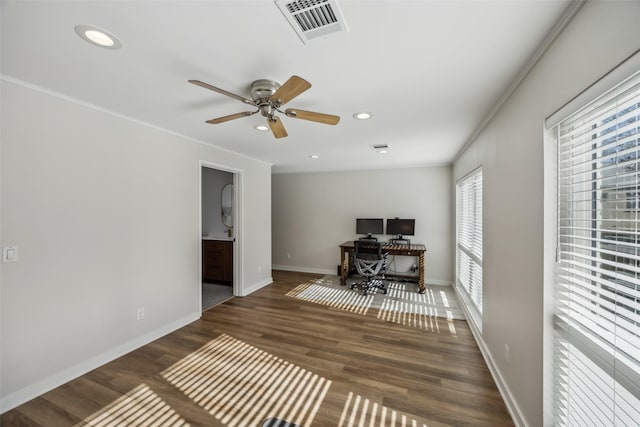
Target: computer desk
<point>416,250</point>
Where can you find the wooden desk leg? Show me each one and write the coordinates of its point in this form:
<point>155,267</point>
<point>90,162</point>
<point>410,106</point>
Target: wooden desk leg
<point>421,274</point>
<point>344,266</point>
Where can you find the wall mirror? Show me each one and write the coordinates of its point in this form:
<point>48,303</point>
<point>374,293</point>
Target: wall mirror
<point>226,201</point>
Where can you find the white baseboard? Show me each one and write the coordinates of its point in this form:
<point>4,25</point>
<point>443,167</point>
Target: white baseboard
<point>34,390</point>
<point>503,388</point>
<point>252,288</point>
<point>437,282</point>
<point>304,269</point>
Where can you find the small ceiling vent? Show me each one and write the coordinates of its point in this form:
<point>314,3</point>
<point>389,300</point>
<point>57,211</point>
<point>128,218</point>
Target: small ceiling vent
<point>380,148</point>
<point>313,18</point>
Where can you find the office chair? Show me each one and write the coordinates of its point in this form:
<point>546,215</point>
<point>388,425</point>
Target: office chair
<point>371,264</point>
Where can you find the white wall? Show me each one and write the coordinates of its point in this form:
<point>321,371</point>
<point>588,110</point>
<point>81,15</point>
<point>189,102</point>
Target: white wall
<point>105,214</point>
<point>314,212</point>
<point>510,150</point>
<point>213,180</point>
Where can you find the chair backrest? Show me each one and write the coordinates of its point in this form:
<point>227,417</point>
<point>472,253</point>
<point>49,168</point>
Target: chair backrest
<point>367,249</point>
<point>368,258</point>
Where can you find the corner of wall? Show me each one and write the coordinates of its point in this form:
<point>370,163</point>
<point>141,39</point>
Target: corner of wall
<point>256,286</point>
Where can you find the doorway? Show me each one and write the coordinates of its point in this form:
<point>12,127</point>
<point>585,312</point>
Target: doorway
<point>219,232</point>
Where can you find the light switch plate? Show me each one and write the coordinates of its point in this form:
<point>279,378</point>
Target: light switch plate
<point>9,254</point>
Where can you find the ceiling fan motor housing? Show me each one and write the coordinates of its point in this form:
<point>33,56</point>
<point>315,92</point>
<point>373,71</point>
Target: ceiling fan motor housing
<point>261,92</point>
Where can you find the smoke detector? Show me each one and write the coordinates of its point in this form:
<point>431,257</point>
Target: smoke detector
<point>312,19</point>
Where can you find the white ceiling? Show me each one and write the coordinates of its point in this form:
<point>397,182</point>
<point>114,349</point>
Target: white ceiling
<point>429,71</point>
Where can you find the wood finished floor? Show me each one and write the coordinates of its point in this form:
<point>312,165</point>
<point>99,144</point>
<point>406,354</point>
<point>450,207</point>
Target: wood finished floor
<point>272,355</point>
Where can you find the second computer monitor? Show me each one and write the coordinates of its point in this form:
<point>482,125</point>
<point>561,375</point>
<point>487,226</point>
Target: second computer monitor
<point>401,227</point>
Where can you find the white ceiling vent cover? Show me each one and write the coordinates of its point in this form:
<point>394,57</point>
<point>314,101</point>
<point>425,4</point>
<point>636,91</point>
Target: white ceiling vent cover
<point>380,148</point>
<point>313,18</point>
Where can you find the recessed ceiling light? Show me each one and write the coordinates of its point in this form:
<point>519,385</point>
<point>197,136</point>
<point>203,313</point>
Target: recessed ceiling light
<point>314,156</point>
<point>261,127</point>
<point>362,116</point>
<point>97,37</point>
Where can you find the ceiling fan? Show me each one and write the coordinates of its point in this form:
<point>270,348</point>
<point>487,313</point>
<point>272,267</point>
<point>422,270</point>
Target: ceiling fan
<point>268,96</point>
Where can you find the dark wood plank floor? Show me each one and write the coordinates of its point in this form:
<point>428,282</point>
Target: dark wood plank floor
<point>269,354</point>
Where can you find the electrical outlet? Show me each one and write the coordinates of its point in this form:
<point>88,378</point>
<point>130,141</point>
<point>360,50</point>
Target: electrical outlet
<point>9,254</point>
<point>506,353</point>
<point>140,314</point>
<point>288,255</point>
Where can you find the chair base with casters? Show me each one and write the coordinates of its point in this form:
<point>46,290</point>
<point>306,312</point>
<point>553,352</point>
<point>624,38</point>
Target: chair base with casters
<point>277,422</point>
<point>370,285</point>
<point>370,263</point>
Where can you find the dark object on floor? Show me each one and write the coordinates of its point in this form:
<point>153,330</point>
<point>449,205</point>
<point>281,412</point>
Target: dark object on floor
<point>277,422</point>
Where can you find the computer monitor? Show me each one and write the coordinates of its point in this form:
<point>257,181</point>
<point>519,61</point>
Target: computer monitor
<point>369,226</point>
<point>401,227</point>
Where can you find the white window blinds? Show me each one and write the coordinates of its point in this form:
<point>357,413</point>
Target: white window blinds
<point>469,236</point>
<point>597,277</point>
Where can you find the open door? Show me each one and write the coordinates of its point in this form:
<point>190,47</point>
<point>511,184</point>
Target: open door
<point>219,232</point>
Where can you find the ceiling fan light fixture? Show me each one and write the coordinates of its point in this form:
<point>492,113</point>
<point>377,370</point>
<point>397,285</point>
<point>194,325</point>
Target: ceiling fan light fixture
<point>362,116</point>
<point>97,37</point>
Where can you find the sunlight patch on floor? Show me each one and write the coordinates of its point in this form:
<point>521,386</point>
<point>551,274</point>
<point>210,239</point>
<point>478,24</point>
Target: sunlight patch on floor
<point>140,407</point>
<point>362,412</point>
<point>445,300</point>
<point>409,314</point>
<point>241,385</point>
<point>415,315</point>
<point>341,299</point>
<point>409,293</point>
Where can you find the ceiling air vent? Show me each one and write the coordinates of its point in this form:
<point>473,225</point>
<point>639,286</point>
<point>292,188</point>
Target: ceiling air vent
<point>380,148</point>
<point>313,18</point>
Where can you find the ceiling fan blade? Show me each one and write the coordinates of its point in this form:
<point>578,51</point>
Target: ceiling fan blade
<point>222,91</point>
<point>290,89</point>
<point>277,127</point>
<point>231,117</point>
<point>327,119</point>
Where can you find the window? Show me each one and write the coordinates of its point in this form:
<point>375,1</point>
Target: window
<point>469,240</point>
<point>596,346</point>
